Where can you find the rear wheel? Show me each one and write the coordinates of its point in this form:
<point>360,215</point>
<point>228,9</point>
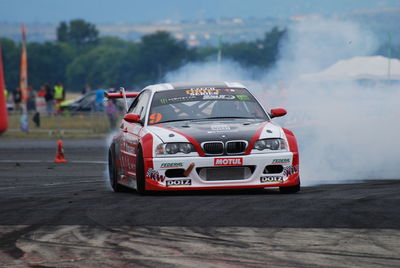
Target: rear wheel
<point>113,172</point>
<point>290,189</point>
<point>140,178</point>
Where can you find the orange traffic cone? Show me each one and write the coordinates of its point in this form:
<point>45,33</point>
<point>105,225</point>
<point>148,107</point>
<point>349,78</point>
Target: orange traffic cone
<point>60,153</point>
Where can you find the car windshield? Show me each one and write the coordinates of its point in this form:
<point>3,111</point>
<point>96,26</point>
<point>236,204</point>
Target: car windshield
<point>204,103</point>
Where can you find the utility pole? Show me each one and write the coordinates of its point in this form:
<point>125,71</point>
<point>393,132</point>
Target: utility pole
<point>389,54</point>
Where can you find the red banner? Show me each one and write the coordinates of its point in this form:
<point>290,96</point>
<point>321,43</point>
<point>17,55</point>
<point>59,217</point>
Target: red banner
<point>23,78</point>
<point>3,99</point>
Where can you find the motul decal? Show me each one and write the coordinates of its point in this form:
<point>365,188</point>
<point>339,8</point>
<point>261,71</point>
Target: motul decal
<point>236,161</point>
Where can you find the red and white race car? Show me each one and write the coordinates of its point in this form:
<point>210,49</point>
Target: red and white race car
<point>201,136</point>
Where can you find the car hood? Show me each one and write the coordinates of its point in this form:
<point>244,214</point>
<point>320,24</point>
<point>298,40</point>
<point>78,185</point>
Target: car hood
<point>215,130</point>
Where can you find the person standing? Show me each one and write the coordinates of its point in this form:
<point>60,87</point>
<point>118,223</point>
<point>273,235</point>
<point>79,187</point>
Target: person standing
<point>112,112</point>
<point>99,100</point>
<point>49,98</point>
<point>17,99</point>
<point>59,96</point>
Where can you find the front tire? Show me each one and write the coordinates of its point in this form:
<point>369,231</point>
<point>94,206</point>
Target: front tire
<point>290,189</point>
<point>113,172</point>
<point>140,177</point>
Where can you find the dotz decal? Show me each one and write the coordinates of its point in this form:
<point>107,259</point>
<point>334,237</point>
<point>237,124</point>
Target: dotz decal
<point>229,90</point>
<point>290,170</point>
<point>182,182</point>
<point>281,161</point>
<point>171,165</point>
<point>202,91</point>
<point>243,97</point>
<point>218,97</point>
<point>154,175</point>
<point>236,161</point>
<point>271,179</point>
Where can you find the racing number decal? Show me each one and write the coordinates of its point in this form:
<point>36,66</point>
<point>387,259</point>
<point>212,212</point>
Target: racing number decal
<point>155,118</point>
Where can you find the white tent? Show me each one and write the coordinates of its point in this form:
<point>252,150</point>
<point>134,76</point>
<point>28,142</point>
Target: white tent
<point>374,67</point>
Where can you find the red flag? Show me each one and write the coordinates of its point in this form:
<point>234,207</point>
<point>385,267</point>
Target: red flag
<point>3,100</point>
<point>23,78</point>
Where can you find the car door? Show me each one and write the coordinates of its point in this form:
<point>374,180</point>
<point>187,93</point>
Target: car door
<point>131,135</point>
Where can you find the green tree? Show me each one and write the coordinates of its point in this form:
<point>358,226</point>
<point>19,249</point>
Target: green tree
<point>160,53</point>
<point>261,53</point>
<point>47,62</point>
<point>105,66</point>
<point>77,32</point>
<point>11,62</point>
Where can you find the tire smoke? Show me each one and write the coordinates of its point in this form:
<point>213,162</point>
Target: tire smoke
<point>346,129</point>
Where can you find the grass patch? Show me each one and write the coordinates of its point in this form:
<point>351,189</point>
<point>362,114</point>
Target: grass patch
<point>89,125</point>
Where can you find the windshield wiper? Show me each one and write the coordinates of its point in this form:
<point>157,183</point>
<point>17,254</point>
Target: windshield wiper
<point>227,117</point>
<point>175,120</point>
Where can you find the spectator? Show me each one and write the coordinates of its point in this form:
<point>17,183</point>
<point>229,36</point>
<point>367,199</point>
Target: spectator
<point>49,98</point>
<point>111,111</point>
<point>59,95</point>
<point>99,100</point>
<point>17,99</point>
<point>31,104</point>
<point>86,89</point>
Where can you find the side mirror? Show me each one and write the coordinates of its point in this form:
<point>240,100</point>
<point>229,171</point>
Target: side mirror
<point>277,112</point>
<point>132,118</point>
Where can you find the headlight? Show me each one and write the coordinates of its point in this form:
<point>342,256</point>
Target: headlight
<point>174,148</point>
<point>270,144</point>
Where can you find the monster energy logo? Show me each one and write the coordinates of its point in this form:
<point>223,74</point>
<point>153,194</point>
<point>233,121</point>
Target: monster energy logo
<point>164,101</point>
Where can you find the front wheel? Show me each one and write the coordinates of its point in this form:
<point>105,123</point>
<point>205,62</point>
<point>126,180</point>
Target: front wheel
<point>113,172</point>
<point>290,189</point>
<point>140,177</point>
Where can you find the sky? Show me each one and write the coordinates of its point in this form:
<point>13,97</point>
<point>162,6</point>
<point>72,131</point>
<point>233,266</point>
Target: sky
<point>137,11</point>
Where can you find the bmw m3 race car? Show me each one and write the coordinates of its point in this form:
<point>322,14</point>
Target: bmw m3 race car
<point>201,136</point>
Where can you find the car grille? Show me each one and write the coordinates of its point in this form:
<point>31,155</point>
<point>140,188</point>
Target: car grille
<point>213,148</point>
<point>224,173</point>
<point>236,147</point>
<point>219,148</point>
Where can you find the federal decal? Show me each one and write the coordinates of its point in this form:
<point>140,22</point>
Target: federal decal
<point>281,161</point>
<point>171,165</point>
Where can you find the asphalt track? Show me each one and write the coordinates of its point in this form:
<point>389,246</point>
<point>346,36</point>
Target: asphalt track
<point>64,215</point>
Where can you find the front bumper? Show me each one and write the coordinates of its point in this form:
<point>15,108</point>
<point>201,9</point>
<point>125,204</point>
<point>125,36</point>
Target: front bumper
<point>158,178</point>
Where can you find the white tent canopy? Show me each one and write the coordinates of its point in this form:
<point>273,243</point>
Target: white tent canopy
<point>374,67</point>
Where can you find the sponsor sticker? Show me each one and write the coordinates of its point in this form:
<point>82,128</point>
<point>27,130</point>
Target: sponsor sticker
<point>290,170</point>
<point>243,97</point>
<point>218,97</point>
<point>233,161</point>
<point>176,99</point>
<point>155,118</point>
<point>181,182</point>
<point>281,161</point>
<point>220,127</point>
<point>171,165</point>
<point>154,175</point>
<point>271,179</point>
<point>202,91</point>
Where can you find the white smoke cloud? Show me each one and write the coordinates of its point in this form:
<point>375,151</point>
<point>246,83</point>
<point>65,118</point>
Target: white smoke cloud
<point>346,131</point>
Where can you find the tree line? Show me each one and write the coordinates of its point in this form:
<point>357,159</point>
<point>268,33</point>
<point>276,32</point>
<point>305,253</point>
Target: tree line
<point>79,57</point>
